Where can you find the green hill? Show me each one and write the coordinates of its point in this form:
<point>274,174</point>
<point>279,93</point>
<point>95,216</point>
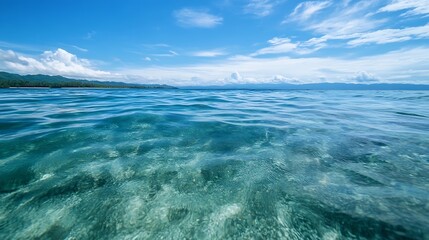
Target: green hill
<point>8,80</point>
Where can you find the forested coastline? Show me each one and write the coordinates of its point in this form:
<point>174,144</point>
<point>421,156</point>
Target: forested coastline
<point>9,80</point>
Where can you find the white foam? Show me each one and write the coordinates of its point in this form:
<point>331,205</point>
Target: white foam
<point>46,176</point>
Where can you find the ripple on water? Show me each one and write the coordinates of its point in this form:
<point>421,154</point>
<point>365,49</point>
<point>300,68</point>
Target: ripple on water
<point>181,164</point>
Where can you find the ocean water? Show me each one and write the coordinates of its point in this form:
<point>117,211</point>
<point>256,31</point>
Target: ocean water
<point>203,164</point>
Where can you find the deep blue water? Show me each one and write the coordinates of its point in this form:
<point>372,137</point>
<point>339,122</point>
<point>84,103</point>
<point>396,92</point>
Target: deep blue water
<point>183,164</point>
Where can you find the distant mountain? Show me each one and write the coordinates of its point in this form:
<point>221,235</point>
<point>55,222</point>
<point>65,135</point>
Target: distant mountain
<point>317,86</point>
<point>8,80</point>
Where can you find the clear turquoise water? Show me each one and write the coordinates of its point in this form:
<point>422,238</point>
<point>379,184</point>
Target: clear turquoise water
<point>179,164</point>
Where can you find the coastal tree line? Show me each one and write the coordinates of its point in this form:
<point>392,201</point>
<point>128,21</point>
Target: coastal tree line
<point>9,80</point>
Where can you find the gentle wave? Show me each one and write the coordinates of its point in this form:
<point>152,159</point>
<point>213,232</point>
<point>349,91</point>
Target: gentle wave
<point>122,164</point>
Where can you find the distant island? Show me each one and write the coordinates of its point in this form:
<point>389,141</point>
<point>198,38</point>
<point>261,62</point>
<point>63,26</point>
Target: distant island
<point>314,86</point>
<point>10,80</point>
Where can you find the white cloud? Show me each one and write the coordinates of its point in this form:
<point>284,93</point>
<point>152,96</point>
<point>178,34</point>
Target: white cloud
<point>209,53</point>
<point>342,22</point>
<point>390,35</point>
<point>156,45</point>
<point>347,19</point>
<point>283,79</point>
<point>357,24</point>
<point>59,62</point>
<point>383,36</point>
<point>364,77</point>
<point>80,49</point>
<point>147,59</point>
<point>285,45</point>
<point>305,10</point>
<point>192,18</point>
<point>170,53</point>
<point>278,45</point>
<point>408,65</point>
<point>260,8</point>
<point>21,47</point>
<point>413,7</point>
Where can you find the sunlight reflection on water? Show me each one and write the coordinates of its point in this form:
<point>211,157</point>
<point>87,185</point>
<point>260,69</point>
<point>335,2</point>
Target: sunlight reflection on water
<point>127,164</point>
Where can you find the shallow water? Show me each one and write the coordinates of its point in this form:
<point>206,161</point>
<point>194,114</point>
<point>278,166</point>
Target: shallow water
<point>183,164</point>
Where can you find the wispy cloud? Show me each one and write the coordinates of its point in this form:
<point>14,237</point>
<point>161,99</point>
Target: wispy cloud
<point>18,46</point>
<point>187,17</point>
<point>155,45</point>
<point>155,50</point>
<point>209,53</point>
<point>277,45</point>
<point>383,36</point>
<point>260,8</point>
<point>285,45</point>
<point>350,21</point>
<point>79,48</point>
<point>412,7</point>
<point>390,35</point>
<point>305,10</point>
<point>356,23</point>
<point>59,62</point>
<point>347,19</point>
<point>170,53</point>
<point>396,66</point>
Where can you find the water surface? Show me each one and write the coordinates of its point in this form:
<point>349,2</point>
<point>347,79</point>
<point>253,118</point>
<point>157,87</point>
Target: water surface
<point>184,164</point>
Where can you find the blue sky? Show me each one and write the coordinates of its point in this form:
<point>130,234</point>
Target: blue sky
<point>218,42</point>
